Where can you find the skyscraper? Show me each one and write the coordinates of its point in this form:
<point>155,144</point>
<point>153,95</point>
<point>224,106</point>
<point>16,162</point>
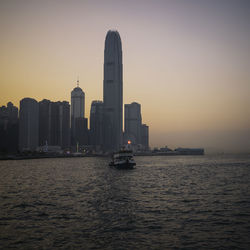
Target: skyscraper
<point>9,128</point>
<point>77,113</point>
<point>28,124</point>
<point>54,123</point>
<point>133,123</point>
<point>113,91</point>
<point>81,131</point>
<point>44,122</point>
<point>96,125</point>
<point>64,117</point>
<point>145,136</point>
<point>10,112</point>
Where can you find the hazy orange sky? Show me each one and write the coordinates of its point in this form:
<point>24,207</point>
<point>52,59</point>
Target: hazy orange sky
<point>186,62</point>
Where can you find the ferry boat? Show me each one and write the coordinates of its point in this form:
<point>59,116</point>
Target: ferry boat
<point>123,159</point>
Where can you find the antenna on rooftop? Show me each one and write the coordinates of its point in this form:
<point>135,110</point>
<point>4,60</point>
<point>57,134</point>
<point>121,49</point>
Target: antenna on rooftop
<point>77,81</point>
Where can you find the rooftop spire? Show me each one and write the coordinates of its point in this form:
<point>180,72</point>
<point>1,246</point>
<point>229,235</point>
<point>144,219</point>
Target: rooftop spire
<point>77,81</point>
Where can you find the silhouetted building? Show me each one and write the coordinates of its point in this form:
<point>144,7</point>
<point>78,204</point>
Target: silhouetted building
<point>10,112</point>
<point>133,123</point>
<point>8,128</point>
<point>113,92</point>
<point>44,122</point>
<point>81,131</point>
<point>59,124</point>
<point>96,125</point>
<point>77,113</point>
<point>64,124</point>
<point>28,124</point>
<point>54,123</point>
<point>145,136</point>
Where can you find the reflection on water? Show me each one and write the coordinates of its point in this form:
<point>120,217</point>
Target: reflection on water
<point>166,202</point>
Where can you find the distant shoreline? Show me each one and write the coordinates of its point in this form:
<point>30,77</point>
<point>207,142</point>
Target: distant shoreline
<point>15,157</point>
<point>30,157</point>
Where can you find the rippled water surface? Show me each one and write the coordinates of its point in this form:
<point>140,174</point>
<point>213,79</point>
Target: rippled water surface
<point>192,202</point>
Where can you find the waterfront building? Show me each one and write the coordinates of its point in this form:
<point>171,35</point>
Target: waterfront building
<point>28,124</point>
<point>8,128</point>
<point>8,115</point>
<point>59,124</point>
<point>133,123</point>
<point>113,92</point>
<point>81,131</point>
<point>44,122</point>
<point>64,116</point>
<point>77,112</point>
<point>54,123</point>
<point>145,136</point>
<point>10,112</point>
<point>96,125</point>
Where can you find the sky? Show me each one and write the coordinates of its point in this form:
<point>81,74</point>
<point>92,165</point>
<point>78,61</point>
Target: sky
<point>187,62</point>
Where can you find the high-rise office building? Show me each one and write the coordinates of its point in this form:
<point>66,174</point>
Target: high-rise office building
<point>113,91</point>
<point>8,115</point>
<point>96,125</point>
<point>28,124</point>
<point>54,123</point>
<point>133,123</point>
<point>64,116</point>
<point>44,122</point>
<point>77,113</point>
<point>145,136</point>
<point>9,128</point>
<point>10,112</point>
<point>81,131</point>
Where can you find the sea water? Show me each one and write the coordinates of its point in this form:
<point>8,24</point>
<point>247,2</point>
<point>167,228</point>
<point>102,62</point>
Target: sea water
<point>167,202</point>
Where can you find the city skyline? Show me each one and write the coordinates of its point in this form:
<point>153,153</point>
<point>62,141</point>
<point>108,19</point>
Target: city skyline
<point>185,63</point>
<point>46,127</point>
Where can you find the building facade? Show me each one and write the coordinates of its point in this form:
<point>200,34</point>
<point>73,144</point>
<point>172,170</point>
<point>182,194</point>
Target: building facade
<point>9,128</point>
<point>81,131</point>
<point>145,137</point>
<point>77,113</point>
<point>54,124</point>
<point>96,125</point>
<point>113,92</point>
<point>44,122</point>
<point>133,123</point>
<point>64,117</point>
<point>28,124</point>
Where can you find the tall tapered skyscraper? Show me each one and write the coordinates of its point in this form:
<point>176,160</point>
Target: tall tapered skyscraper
<point>113,91</point>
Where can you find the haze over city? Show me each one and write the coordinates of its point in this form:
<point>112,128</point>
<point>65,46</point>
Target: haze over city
<point>186,62</point>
